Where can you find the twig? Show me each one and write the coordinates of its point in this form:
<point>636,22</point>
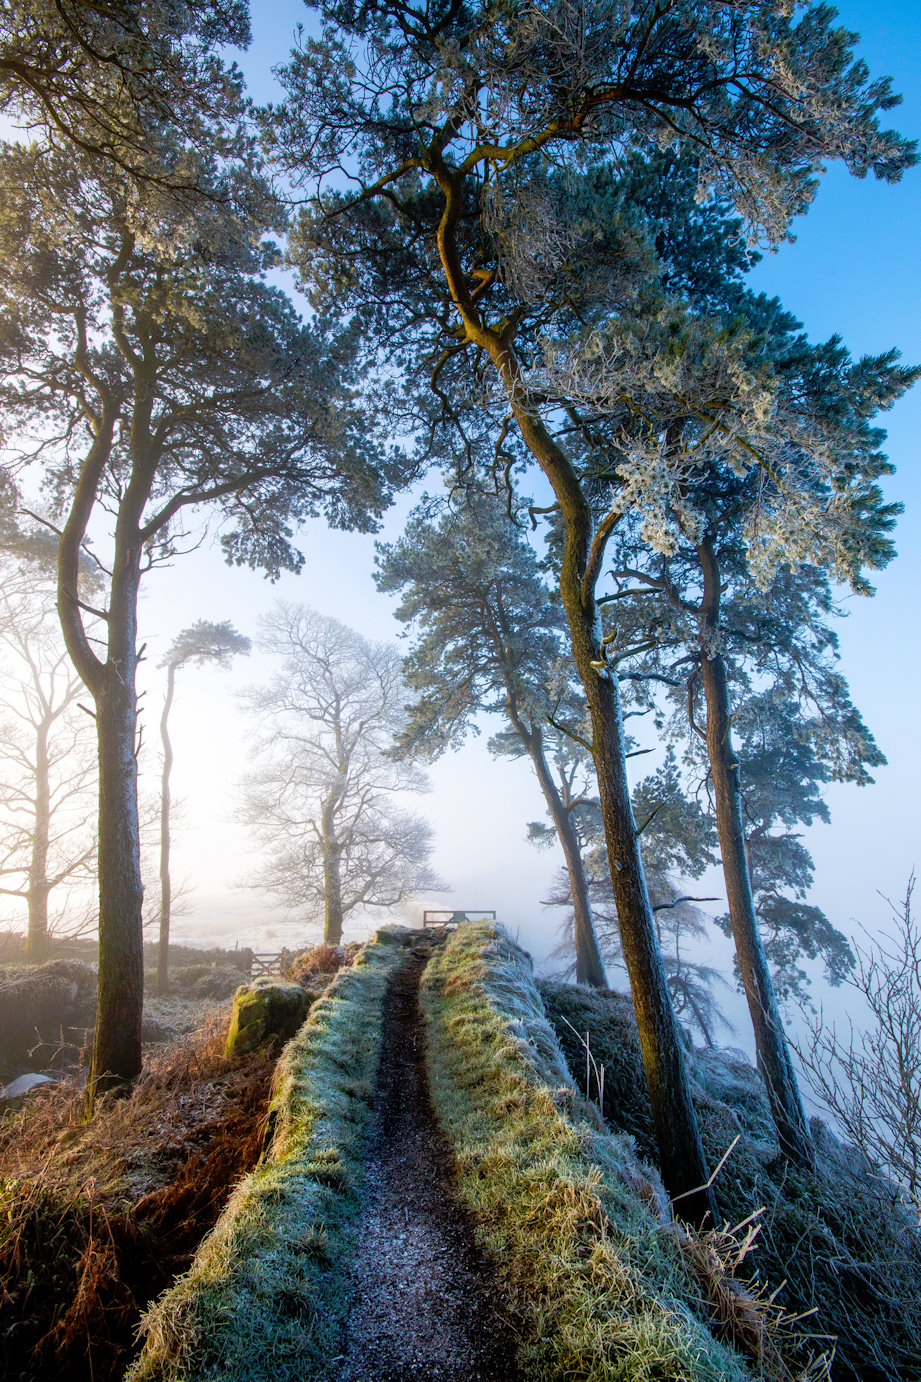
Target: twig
<point>650,818</point>
<point>713,1175</point>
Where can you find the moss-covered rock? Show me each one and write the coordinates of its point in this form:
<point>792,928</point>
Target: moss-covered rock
<point>265,1011</point>
<point>391,934</point>
<point>576,1224</point>
<point>205,981</point>
<point>606,1020</point>
<point>835,1242</point>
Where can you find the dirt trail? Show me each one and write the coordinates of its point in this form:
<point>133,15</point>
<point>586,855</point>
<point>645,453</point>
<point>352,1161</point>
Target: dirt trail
<point>422,1305</point>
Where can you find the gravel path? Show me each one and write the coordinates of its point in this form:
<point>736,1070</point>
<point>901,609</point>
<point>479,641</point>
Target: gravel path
<point>422,1305</point>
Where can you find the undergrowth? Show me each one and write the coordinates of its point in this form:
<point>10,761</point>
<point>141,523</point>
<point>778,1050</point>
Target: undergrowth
<point>96,1219</point>
<point>308,967</point>
<point>574,1222</point>
<point>265,1297</point>
<point>835,1241</point>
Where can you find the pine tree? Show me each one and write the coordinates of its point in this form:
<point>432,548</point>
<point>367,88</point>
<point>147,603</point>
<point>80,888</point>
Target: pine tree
<point>678,843</point>
<point>202,642</point>
<point>783,777</point>
<point>106,82</point>
<point>700,554</point>
<point>464,244</point>
<point>488,637</point>
<point>163,376</point>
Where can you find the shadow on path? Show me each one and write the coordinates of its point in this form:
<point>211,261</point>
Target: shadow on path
<point>423,1303</point>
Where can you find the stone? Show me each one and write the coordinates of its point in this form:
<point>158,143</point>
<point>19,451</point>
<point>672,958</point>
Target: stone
<point>265,1011</point>
<point>391,934</point>
<point>41,999</point>
<point>153,1030</point>
<point>17,1091</point>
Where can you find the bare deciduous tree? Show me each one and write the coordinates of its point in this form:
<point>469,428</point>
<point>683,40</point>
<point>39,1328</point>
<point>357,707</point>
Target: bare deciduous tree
<point>322,799</point>
<point>46,755</point>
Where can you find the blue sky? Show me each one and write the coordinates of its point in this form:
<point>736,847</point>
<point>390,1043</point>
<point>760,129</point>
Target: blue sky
<point>854,269</point>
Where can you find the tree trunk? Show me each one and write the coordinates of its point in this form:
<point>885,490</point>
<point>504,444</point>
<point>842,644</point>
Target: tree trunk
<point>702,1023</point>
<point>333,918</point>
<point>683,1165</point>
<point>589,964</point>
<point>773,1053</point>
<point>332,878</point>
<point>165,884</point>
<point>116,1059</point>
<point>37,948</point>
<point>681,1154</point>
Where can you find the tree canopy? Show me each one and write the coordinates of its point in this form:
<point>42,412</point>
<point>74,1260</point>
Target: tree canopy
<point>488,637</point>
<point>160,380</point>
<point>118,81</point>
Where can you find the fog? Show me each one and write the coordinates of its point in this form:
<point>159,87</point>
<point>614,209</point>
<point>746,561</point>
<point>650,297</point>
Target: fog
<point>839,276</point>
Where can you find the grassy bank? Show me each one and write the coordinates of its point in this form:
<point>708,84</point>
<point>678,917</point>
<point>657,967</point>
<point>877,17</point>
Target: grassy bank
<point>264,1298</point>
<point>96,1219</point>
<point>575,1223</point>
<point>835,1241</point>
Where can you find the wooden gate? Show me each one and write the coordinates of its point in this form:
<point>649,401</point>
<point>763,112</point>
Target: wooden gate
<point>441,916</point>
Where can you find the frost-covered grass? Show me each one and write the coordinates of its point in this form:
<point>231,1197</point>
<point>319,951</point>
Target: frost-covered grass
<point>600,1284</point>
<point>264,1299</point>
<point>833,1241</point>
<point>574,1221</point>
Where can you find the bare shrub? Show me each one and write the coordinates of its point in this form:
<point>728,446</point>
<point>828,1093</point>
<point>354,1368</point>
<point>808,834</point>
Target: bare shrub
<point>746,1312</point>
<point>315,966</point>
<point>871,1082</point>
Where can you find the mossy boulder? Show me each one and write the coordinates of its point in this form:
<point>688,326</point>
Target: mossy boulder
<point>265,1011</point>
<point>391,934</point>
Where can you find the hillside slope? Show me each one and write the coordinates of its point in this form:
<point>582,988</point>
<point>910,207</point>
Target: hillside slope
<point>556,1211</point>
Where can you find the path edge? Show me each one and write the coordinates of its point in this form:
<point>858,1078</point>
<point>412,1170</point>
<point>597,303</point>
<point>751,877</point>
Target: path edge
<point>574,1221</point>
<point>264,1298</point>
